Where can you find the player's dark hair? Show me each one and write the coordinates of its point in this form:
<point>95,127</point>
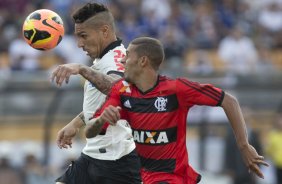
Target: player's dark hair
<point>150,47</point>
<point>90,10</point>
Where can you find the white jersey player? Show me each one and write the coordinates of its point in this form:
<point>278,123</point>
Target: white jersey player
<point>110,157</point>
<point>116,141</point>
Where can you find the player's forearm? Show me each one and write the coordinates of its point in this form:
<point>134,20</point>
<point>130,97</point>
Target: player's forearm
<point>235,116</point>
<point>101,81</point>
<point>93,128</point>
<point>78,121</point>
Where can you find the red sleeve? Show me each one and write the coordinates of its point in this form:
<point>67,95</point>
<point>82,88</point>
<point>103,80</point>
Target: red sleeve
<point>113,99</point>
<point>193,93</point>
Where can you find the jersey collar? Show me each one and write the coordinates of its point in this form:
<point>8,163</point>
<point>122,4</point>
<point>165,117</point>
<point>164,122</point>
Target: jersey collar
<point>151,89</point>
<point>110,47</point>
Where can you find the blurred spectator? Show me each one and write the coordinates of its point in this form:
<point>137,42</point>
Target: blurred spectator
<point>226,15</point>
<point>238,52</point>
<point>246,17</point>
<point>159,8</point>
<point>180,17</point>
<point>130,27</point>
<point>199,63</point>
<point>270,20</point>
<point>265,64</point>
<point>35,172</point>
<point>274,146</point>
<point>174,42</point>
<point>16,6</point>
<point>8,175</point>
<point>69,52</point>
<point>234,163</point>
<point>5,71</point>
<point>204,30</point>
<point>22,56</point>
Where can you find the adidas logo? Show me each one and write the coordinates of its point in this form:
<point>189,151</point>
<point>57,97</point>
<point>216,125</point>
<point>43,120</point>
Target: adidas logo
<point>127,104</point>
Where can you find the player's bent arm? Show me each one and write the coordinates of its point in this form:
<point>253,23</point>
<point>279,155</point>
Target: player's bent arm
<point>235,116</point>
<point>78,121</point>
<point>101,81</point>
<point>94,127</point>
<point>68,132</point>
<point>110,114</point>
<point>249,153</point>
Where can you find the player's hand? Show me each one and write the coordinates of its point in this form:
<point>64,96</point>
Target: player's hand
<point>65,136</point>
<point>111,115</point>
<point>253,160</point>
<point>63,72</point>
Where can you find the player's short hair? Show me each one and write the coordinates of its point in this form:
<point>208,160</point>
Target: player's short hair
<point>95,14</point>
<point>150,47</point>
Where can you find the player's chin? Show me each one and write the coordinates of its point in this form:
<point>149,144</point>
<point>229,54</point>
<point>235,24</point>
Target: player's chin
<point>92,55</point>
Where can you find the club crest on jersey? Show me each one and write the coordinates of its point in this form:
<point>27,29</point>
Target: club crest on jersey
<point>160,104</point>
<point>147,137</point>
<point>125,88</point>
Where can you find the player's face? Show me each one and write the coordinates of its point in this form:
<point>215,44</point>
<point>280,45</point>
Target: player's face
<point>89,39</point>
<point>132,70</point>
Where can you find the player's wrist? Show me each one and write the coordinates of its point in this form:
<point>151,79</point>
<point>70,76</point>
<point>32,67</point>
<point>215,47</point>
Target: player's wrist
<point>81,69</point>
<point>81,119</point>
<point>243,146</point>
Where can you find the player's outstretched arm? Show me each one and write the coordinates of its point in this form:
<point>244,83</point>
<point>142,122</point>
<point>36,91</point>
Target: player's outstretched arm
<point>101,81</point>
<point>66,134</point>
<point>63,72</point>
<point>249,154</point>
<point>110,114</point>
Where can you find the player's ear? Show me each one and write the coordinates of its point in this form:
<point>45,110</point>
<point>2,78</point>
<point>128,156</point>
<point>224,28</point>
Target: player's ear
<point>144,60</point>
<point>105,30</point>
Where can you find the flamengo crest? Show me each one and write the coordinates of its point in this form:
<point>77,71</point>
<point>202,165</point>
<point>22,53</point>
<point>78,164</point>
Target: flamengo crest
<point>160,103</point>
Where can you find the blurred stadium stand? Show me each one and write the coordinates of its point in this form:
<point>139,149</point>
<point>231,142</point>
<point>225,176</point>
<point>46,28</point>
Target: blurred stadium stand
<point>191,32</point>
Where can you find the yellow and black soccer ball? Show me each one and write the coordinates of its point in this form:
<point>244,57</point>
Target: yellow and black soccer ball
<point>43,29</point>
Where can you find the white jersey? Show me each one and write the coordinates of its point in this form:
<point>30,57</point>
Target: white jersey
<point>117,140</point>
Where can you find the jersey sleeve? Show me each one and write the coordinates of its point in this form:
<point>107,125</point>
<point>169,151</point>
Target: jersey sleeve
<point>193,93</point>
<point>113,99</point>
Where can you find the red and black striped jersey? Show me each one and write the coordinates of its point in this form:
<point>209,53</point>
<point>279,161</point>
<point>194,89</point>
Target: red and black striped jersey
<point>158,120</point>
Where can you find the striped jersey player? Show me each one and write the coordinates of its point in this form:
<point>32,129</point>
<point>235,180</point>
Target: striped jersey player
<point>156,108</point>
<point>158,120</point>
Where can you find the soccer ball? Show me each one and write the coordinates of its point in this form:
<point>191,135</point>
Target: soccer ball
<point>43,29</point>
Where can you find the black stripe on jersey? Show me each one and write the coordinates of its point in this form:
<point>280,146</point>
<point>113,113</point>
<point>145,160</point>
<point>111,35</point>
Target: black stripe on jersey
<point>221,99</point>
<point>150,105</point>
<point>115,72</point>
<point>161,165</point>
<point>212,91</point>
<point>204,91</point>
<point>155,137</point>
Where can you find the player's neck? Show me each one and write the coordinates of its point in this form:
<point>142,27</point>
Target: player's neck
<point>110,40</point>
<point>147,81</point>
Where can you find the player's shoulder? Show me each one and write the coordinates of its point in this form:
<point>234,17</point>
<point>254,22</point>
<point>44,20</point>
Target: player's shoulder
<point>122,86</point>
<point>165,80</point>
<point>120,83</point>
<point>183,80</point>
<point>174,83</point>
